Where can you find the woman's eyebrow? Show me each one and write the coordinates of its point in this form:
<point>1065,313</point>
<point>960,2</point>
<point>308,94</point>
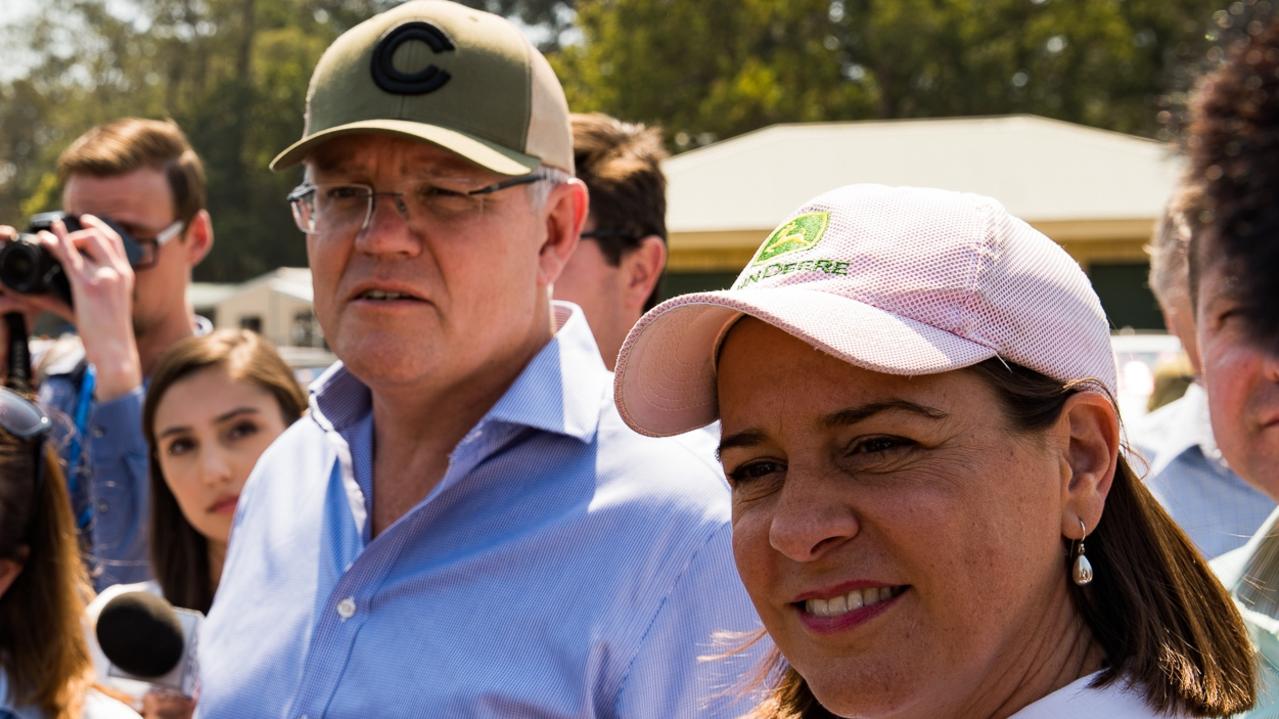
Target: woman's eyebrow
<point>234,413</point>
<point>853,415</point>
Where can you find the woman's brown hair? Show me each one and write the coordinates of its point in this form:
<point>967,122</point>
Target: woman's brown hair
<point>180,554</point>
<point>42,648</point>
<point>1164,621</point>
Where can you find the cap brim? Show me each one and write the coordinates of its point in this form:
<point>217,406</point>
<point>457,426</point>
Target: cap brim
<point>665,382</point>
<point>487,154</point>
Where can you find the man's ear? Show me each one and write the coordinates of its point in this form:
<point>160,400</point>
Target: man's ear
<point>198,237</point>
<point>641,269</point>
<point>566,209</point>
<point>9,571</point>
<point>1089,432</point>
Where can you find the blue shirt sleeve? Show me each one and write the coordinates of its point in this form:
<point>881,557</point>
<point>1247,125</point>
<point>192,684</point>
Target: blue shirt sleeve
<point>705,617</point>
<point>107,477</point>
<point>119,490</point>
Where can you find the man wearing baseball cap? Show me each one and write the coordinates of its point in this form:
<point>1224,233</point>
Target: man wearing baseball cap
<point>462,525</point>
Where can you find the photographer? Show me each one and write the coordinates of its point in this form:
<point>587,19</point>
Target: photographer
<point>139,178</point>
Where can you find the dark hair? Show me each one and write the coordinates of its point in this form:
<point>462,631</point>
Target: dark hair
<point>179,553</point>
<point>1157,610</point>
<point>42,645</point>
<point>620,163</point>
<point>1234,152</point>
<point>132,143</point>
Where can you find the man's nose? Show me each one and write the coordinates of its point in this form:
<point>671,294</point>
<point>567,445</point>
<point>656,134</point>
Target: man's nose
<point>387,232</point>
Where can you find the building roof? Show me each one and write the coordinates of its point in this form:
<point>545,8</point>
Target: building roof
<point>1040,169</point>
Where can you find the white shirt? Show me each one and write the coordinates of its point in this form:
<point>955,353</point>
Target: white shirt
<point>1116,701</point>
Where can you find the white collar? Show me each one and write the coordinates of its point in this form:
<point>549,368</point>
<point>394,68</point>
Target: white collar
<point>1117,701</point>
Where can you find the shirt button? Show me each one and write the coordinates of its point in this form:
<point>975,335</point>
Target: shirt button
<point>346,608</point>
<point>102,507</point>
<point>99,432</point>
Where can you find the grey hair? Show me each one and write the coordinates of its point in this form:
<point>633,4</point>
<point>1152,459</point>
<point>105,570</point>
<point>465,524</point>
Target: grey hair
<point>1170,243</point>
<point>540,192</point>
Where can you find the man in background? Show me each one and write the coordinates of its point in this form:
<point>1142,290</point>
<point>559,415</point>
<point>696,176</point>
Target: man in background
<point>1187,474</point>
<point>144,177</point>
<point>613,274</point>
<point>1233,273</point>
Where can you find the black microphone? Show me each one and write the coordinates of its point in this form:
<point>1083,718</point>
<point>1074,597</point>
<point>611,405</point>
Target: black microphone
<point>147,639</point>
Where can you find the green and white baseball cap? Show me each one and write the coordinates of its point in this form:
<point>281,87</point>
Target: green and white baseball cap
<point>466,80</point>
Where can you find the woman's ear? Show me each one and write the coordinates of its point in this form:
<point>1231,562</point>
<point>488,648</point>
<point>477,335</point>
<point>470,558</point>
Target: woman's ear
<point>1089,425</point>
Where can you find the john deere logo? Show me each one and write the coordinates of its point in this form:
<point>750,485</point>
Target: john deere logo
<point>396,81</point>
<point>801,233</point>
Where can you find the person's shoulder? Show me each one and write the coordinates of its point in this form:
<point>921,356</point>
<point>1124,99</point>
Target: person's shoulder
<point>1120,699</point>
<point>680,475</point>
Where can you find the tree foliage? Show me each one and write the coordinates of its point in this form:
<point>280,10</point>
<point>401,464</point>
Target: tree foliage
<point>716,68</point>
<point>234,73</point>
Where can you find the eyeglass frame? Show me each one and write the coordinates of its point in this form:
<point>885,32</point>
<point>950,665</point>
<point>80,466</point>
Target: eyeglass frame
<point>300,193</point>
<point>162,238</point>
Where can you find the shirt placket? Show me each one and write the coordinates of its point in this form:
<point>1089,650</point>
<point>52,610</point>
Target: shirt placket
<point>351,601</point>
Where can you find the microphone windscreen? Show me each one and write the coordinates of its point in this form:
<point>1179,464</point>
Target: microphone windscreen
<point>140,633</point>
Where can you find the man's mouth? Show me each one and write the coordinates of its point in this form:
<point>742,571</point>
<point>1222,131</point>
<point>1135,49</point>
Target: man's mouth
<point>384,296</point>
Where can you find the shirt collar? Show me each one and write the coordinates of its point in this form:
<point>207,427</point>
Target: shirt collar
<point>560,390</point>
<point>1185,425</point>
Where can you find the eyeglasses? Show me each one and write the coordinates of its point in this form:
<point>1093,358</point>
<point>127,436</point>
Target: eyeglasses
<point>149,247</point>
<point>23,419</point>
<point>335,208</point>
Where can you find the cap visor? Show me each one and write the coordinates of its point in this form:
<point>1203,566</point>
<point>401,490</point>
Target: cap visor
<point>665,383</point>
<point>482,152</point>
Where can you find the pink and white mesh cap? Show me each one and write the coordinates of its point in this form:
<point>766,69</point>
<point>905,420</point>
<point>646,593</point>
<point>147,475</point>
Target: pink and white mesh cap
<point>904,281</point>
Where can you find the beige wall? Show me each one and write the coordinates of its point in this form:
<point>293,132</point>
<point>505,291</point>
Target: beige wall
<point>1087,241</point>
<point>275,309</point>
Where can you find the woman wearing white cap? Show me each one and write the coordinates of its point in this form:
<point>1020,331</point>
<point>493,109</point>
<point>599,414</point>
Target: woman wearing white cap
<point>930,508</point>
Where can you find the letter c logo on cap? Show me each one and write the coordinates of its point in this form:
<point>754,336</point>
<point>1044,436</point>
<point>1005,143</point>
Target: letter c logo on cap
<point>428,79</point>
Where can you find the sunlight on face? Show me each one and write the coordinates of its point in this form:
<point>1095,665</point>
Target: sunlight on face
<point>210,430</point>
<point>900,543</point>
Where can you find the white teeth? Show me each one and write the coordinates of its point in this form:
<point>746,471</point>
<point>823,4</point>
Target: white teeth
<point>843,604</point>
<point>380,295</point>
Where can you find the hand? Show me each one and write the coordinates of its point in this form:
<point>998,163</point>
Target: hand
<point>162,704</point>
<point>102,287</point>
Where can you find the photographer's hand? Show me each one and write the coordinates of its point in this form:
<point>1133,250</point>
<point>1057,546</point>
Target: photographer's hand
<point>102,286</point>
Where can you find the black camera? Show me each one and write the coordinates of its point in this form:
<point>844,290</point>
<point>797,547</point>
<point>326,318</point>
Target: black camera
<point>29,268</point>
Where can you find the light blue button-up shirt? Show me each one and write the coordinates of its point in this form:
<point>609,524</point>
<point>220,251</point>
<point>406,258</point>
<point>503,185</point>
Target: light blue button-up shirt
<point>1214,506</point>
<point>564,567</point>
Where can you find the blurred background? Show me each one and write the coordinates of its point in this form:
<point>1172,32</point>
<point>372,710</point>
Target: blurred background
<point>1068,111</point>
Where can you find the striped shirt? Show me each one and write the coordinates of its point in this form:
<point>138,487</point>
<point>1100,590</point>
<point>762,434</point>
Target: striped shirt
<point>1213,505</point>
<point>563,567</point>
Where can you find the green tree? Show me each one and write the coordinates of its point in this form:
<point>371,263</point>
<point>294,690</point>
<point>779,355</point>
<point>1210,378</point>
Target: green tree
<point>712,69</point>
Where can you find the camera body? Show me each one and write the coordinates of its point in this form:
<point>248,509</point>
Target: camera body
<point>29,268</point>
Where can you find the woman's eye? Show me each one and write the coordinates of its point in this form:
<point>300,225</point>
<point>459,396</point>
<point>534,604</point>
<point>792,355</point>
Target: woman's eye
<point>879,445</point>
<point>755,470</point>
<point>242,429</point>
<point>179,447</point>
